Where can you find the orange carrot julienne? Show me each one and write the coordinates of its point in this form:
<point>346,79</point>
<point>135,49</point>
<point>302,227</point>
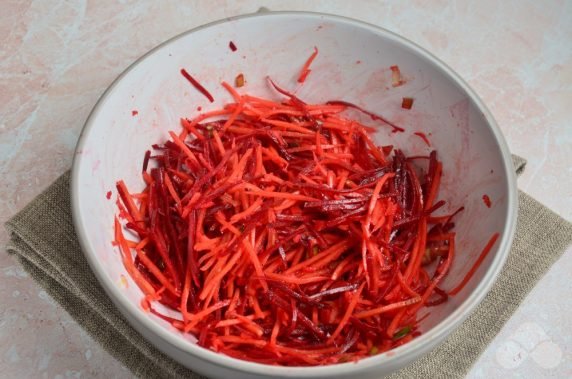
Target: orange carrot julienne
<point>128,201</point>
<point>349,311</point>
<point>195,318</point>
<point>476,265</point>
<point>128,262</point>
<point>156,272</point>
<point>306,68</point>
<point>387,308</point>
<point>191,128</point>
<point>190,155</point>
<point>237,97</point>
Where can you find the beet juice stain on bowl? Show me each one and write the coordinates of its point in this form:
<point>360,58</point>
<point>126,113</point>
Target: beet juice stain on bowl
<point>312,241</point>
<point>284,235</point>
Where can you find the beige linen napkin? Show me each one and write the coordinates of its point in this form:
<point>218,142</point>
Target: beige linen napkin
<point>44,242</point>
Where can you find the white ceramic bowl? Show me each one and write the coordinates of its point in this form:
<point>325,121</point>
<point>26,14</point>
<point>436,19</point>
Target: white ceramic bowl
<point>475,156</point>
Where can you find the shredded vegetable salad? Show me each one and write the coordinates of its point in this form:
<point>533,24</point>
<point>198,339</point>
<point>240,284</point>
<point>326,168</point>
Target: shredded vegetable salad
<point>283,234</point>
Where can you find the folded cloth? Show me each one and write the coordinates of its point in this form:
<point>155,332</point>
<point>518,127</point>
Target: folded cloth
<point>43,240</point>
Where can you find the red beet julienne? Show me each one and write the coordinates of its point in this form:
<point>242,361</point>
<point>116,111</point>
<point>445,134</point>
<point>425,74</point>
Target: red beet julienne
<point>487,201</point>
<point>284,235</point>
<point>197,85</point>
<point>373,116</point>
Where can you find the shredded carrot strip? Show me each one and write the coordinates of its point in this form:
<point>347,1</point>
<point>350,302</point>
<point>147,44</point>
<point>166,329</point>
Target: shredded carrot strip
<point>128,201</point>
<point>349,311</point>
<point>195,318</point>
<point>386,308</point>
<point>191,128</point>
<point>190,155</point>
<point>475,266</point>
<point>145,286</point>
<point>256,263</point>
<point>306,68</point>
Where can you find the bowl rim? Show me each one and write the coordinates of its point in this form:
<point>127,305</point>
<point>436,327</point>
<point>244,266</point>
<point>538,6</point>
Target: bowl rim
<point>414,348</point>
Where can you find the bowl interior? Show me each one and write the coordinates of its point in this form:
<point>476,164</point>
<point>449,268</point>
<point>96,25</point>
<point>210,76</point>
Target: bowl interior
<point>353,64</point>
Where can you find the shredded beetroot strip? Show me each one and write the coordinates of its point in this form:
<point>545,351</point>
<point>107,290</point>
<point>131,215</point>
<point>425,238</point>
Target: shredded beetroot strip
<point>487,201</point>
<point>370,114</point>
<point>197,85</point>
<point>283,235</point>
